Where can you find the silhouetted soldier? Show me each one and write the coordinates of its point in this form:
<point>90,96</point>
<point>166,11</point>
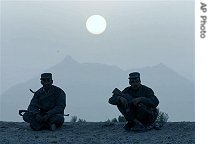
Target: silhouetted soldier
<point>137,103</point>
<point>46,109</point>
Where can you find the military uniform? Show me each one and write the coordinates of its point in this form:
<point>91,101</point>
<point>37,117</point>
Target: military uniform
<point>51,103</point>
<point>145,112</point>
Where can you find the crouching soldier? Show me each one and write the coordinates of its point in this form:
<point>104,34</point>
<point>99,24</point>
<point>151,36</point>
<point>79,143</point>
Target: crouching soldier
<point>137,103</point>
<point>46,109</point>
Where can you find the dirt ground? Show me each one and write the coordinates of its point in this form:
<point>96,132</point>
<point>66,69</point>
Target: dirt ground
<point>96,133</point>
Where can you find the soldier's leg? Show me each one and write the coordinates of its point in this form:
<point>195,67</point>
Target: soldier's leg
<point>27,117</point>
<point>57,119</point>
<point>129,111</point>
<point>31,118</point>
<point>145,116</point>
<point>154,114</point>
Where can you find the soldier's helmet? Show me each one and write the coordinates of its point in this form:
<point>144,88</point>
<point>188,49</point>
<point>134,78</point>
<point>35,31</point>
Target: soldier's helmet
<point>46,76</point>
<point>134,75</point>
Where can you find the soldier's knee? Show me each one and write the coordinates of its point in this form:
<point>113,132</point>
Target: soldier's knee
<point>57,119</point>
<point>27,117</point>
<point>61,119</point>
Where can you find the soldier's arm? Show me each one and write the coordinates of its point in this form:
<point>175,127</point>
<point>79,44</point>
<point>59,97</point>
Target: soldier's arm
<point>114,100</point>
<point>34,106</point>
<point>60,105</point>
<point>150,100</point>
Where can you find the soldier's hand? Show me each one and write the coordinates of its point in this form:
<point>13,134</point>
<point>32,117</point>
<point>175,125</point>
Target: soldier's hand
<point>39,118</point>
<point>116,91</point>
<point>45,118</point>
<point>124,102</point>
<point>136,101</point>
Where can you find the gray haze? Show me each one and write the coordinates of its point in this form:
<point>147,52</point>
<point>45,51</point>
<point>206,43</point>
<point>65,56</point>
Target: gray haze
<point>38,35</point>
<point>88,87</point>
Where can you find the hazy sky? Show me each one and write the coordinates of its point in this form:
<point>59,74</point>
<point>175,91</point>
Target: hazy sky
<point>37,35</point>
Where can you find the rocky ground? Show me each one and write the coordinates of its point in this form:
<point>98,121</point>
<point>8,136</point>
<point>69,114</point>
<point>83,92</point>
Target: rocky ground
<point>96,133</point>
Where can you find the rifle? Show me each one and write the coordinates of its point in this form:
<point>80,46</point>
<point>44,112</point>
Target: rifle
<point>32,91</point>
<point>116,91</point>
<point>21,111</point>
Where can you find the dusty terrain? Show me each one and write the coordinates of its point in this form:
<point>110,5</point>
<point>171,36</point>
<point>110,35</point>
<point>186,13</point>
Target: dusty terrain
<point>96,133</point>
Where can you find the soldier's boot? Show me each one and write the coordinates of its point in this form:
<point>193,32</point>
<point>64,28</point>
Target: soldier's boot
<point>129,125</point>
<point>53,127</point>
<point>138,126</point>
<point>55,121</point>
<point>157,126</point>
<point>36,125</point>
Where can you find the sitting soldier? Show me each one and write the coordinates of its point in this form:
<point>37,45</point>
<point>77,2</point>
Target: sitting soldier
<point>46,109</point>
<point>137,103</point>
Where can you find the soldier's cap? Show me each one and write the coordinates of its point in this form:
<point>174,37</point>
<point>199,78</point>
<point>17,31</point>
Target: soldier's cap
<point>46,76</point>
<point>134,75</point>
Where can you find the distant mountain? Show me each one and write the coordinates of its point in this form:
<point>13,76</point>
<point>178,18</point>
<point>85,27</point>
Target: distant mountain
<point>88,87</point>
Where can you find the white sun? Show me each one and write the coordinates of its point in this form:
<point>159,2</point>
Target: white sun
<point>96,24</point>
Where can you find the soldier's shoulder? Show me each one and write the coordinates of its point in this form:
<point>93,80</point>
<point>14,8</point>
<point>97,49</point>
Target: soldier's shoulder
<point>126,89</point>
<point>39,90</point>
<point>58,88</point>
<point>146,88</point>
